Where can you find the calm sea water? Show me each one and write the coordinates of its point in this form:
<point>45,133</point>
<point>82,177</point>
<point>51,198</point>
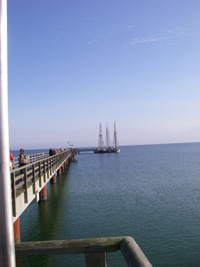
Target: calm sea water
<point>151,193</point>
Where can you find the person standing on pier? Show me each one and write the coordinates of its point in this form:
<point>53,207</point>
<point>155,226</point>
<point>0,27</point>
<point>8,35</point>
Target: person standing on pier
<point>23,159</point>
<point>11,161</point>
<point>51,152</point>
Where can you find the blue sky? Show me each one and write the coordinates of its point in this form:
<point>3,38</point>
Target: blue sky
<point>74,64</point>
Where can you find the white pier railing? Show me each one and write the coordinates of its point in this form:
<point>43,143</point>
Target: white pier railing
<point>29,180</point>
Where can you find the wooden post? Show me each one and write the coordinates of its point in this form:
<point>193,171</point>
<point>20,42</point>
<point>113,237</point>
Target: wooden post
<point>63,166</point>
<point>40,174</point>
<point>25,185</point>
<point>59,171</point>
<point>97,259</point>
<point>16,227</point>
<point>43,194</point>
<point>53,180</point>
<point>13,193</point>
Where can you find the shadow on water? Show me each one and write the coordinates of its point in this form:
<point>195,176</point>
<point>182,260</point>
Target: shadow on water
<point>41,221</point>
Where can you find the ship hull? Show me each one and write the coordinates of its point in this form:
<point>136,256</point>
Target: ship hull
<point>99,151</point>
<point>116,150</point>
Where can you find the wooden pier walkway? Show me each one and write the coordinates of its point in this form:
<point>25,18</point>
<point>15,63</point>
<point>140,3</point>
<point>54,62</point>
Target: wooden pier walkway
<point>28,183</point>
<point>80,150</point>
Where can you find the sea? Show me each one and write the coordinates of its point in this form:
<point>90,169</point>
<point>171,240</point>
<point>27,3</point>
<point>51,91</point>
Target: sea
<point>148,192</point>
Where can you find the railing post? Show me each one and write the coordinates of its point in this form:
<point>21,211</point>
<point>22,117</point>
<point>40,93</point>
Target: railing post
<point>47,168</point>
<point>44,167</point>
<point>16,227</point>
<point>53,165</point>
<point>13,192</point>
<point>33,167</point>
<point>25,185</point>
<point>97,259</point>
<point>40,174</point>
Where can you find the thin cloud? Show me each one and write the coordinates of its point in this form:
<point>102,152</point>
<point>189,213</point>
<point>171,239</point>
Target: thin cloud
<point>144,40</point>
<point>177,32</point>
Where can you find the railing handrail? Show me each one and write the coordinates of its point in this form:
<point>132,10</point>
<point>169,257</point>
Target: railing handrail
<point>33,175</point>
<point>34,157</point>
<point>132,253</point>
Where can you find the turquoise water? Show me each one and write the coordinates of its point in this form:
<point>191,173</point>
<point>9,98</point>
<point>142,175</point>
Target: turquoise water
<point>151,193</point>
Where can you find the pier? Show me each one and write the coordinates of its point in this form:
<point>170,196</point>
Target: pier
<point>28,183</point>
<point>82,150</point>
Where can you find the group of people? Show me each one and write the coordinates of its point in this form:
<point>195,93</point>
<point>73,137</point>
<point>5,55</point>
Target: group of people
<point>52,151</point>
<point>23,159</point>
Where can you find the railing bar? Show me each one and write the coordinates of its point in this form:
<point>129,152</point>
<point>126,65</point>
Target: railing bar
<point>132,253</point>
<point>107,244</point>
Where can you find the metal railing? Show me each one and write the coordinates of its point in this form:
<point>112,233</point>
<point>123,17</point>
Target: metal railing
<point>95,250</point>
<point>34,157</point>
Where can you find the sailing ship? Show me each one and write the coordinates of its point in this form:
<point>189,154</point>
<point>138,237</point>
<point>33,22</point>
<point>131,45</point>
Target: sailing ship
<point>108,149</point>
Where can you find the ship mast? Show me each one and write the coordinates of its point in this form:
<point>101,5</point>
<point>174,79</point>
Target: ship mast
<point>101,144</point>
<point>107,137</point>
<point>115,141</point>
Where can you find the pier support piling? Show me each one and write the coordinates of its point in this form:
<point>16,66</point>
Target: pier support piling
<point>43,194</point>
<point>53,180</point>
<point>59,171</point>
<point>65,163</point>
<point>63,166</point>
<point>16,227</point>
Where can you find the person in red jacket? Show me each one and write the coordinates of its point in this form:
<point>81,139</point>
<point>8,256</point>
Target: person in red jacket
<point>11,161</point>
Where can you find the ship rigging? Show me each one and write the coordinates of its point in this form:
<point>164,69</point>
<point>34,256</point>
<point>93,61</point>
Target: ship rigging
<point>108,149</point>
